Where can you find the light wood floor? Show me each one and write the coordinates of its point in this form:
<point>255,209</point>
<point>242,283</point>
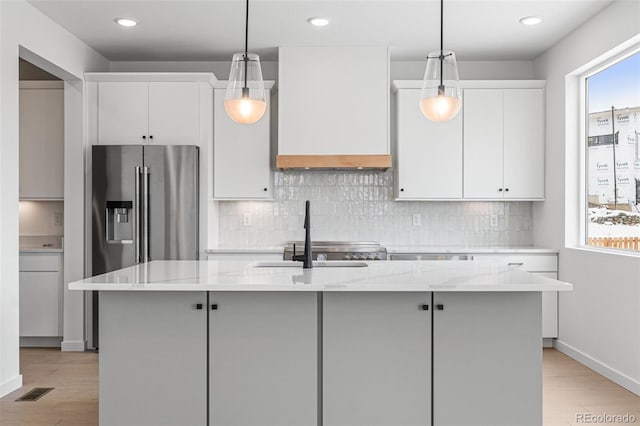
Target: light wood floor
<point>569,389</point>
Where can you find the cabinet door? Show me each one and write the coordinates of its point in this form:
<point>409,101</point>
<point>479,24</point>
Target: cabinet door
<point>487,359</point>
<point>241,155</point>
<point>483,137</point>
<point>524,143</point>
<point>376,359</point>
<point>123,113</point>
<point>429,153</point>
<point>39,304</point>
<point>263,361</point>
<point>153,358</point>
<point>41,143</point>
<point>174,113</point>
<point>333,100</point>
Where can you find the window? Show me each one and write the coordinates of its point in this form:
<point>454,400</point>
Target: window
<point>613,156</point>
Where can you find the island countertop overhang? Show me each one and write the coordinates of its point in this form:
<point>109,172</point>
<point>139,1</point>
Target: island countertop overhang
<point>378,276</point>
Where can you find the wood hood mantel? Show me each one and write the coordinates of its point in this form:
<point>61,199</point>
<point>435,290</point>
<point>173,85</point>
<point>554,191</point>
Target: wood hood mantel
<point>325,162</point>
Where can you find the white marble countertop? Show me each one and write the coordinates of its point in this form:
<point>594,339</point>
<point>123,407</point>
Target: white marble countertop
<point>40,250</point>
<point>442,276</point>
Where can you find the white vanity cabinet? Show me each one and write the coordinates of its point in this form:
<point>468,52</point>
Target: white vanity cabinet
<point>428,155</point>
<point>504,143</point>
<point>149,108</point>
<point>41,301</point>
<point>41,140</point>
<point>241,153</point>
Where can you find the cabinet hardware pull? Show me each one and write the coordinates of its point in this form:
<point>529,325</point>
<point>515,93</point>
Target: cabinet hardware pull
<point>499,189</point>
<point>144,136</point>
<point>198,306</point>
<point>425,307</point>
<point>401,189</point>
<point>214,307</point>
<point>506,189</point>
<point>150,136</point>
<point>440,307</point>
<point>265,189</point>
<point>515,263</point>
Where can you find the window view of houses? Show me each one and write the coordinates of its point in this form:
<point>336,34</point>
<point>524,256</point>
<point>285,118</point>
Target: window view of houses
<point>613,156</point>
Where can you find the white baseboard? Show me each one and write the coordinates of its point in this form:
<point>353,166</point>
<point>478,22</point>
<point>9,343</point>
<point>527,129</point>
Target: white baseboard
<point>610,373</point>
<point>40,342</point>
<point>73,345</point>
<point>547,342</point>
<point>10,385</point>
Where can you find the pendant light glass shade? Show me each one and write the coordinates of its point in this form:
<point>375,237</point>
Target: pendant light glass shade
<point>245,101</point>
<point>441,97</point>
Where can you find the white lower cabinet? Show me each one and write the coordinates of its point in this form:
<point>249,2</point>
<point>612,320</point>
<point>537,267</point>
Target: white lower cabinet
<point>263,359</point>
<point>376,360</point>
<point>487,362</point>
<point>41,287</point>
<point>153,358</point>
<point>331,359</point>
<point>545,265</point>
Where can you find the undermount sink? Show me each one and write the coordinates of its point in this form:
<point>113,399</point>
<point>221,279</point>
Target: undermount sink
<point>316,264</point>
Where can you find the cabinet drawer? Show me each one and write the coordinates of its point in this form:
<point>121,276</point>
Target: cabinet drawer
<point>40,262</point>
<point>528,262</point>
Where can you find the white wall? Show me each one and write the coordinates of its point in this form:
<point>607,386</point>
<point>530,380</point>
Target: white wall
<point>600,319</point>
<point>26,32</point>
<point>400,70</point>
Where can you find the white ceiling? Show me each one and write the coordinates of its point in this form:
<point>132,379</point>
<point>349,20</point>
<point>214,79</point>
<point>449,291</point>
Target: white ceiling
<point>209,30</point>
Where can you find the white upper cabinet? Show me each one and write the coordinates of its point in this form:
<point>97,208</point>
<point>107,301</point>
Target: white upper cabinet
<point>524,143</point>
<point>41,140</point>
<point>483,142</point>
<point>148,108</point>
<point>123,112</point>
<point>174,112</point>
<point>241,153</point>
<point>504,143</point>
<point>333,101</point>
<point>428,155</point>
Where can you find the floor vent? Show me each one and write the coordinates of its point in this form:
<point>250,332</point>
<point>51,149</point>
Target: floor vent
<point>34,394</point>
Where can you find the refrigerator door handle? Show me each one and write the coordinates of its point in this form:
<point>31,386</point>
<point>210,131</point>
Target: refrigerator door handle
<point>137,216</point>
<point>145,214</point>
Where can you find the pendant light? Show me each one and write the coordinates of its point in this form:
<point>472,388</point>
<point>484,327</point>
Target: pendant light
<point>441,97</point>
<point>245,101</point>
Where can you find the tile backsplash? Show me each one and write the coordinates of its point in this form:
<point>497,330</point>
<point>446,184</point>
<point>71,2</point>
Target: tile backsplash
<point>360,206</point>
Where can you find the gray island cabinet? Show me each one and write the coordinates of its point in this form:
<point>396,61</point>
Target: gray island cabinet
<point>393,344</point>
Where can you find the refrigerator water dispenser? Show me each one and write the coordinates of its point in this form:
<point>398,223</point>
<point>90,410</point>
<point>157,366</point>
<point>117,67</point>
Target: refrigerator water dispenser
<point>119,226</point>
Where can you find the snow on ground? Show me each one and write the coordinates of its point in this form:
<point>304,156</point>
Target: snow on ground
<point>613,223</point>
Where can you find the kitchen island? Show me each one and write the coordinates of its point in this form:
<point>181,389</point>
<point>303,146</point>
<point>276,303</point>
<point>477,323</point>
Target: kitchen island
<point>391,343</point>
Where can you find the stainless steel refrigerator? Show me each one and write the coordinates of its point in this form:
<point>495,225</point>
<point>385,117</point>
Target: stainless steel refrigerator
<point>144,207</point>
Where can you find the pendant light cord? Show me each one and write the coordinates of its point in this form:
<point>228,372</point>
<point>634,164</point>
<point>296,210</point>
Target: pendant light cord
<point>246,49</point>
<point>441,87</point>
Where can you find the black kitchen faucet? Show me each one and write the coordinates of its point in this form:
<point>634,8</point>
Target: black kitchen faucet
<point>306,257</point>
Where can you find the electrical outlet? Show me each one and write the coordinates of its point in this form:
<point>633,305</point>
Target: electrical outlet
<point>493,221</point>
<point>57,219</point>
<point>417,219</point>
<point>246,219</point>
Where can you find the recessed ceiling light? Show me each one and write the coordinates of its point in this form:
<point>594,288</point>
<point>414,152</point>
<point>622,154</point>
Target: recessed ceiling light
<point>126,22</point>
<point>318,21</point>
<point>530,20</point>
